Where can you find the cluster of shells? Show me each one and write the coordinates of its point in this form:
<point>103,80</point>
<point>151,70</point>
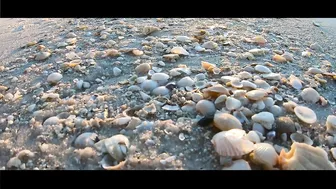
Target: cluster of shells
<point>257,123</point>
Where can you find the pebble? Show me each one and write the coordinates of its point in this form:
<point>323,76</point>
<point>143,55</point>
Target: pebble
<point>54,78</point>
<point>42,55</point>
<point>86,85</point>
<point>116,71</point>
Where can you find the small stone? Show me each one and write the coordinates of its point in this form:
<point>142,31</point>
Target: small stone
<point>54,78</point>
<point>116,71</point>
<point>86,85</point>
<point>42,55</point>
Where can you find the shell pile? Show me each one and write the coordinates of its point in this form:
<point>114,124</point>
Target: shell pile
<point>168,94</point>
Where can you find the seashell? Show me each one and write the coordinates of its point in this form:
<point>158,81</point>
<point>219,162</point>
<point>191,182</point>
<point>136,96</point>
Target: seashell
<point>183,39</point>
<point>259,40</point>
<point>225,121</point>
<point>306,54</point>
<point>51,121</point>
<point>315,71</point>
<point>266,119</point>
<point>137,52</point>
<point>262,69</point>
<point>284,125</point>
<point>133,123</point>
<point>295,82</point>
<point>288,56</point>
<point>244,75</point>
<point>268,102</point>
<point>248,56</point>
<point>54,78</point>
<point>296,158</point>
<point>238,165</point>
<point>258,52</point>
<point>159,76</point>
<point>42,56</point>
<point>149,29</point>
<point>232,143</point>
<point>144,96</point>
<point>264,154</point>
<point>253,137</point>
<point>117,146</point>
<point>149,85</point>
<point>257,94</point>
<point>259,105</point>
<point>216,71</point>
<point>232,103</point>
<point>171,108</point>
<point>201,84</point>
<point>14,162</point>
<point>271,76</point>
<point>196,97</point>
<point>141,79</point>
<point>279,59</point>
<point>25,155</point>
<point>278,97</point>
<point>87,139</point>
<point>171,56</point>
<point>206,108</point>
<point>179,51</point>
<point>186,81</point>
<point>331,124</point>
<point>189,106</point>
<point>289,106</point>
<point>49,96</point>
<point>305,114</point>
<point>142,69</point>
<point>116,71</point>
<point>319,78</point>
<point>236,83</point>
<point>259,128</point>
<point>262,84</point>
<point>122,120</point>
<point>111,53</point>
<point>161,91</point>
<point>199,48</point>
<point>301,138</point>
<point>210,45</point>
<point>215,91</point>
<point>208,66</point>
<point>200,77</point>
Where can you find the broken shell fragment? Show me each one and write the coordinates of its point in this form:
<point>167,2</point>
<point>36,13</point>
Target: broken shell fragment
<point>296,158</point>
<point>266,119</point>
<point>301,138</point>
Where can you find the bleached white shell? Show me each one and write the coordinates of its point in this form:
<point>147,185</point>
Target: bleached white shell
<point>179,50</point>
<point>186,81</point>
<point>257,94</point>
<point>54,77</point>
<point>117,146</point>
<point>149,85</point>
<point>238,165</point>
<point>262,69</point>
<point>253,137</point>
<point>248,84</point>
<point>206,107</point>
<point>225,121</point>
<point>305,114</point>
<point>85,140</point>
<point>232,103</point>
<point>310,95</point>
<point>162,90</point>
<point>266,119</point>
<point>159,76</point>
<point>331,124</point>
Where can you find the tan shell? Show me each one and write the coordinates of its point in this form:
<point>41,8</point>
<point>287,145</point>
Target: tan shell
<point>310,95</point>
<point>225,121</point>
<point>232,143</point>
<point>179,50</point>
<point>266,119</point>
<point>232,103</point>
<point>215,91</point>
<point>297,158</point>
<point>259,40</point>
<point>257,94</point>
<point>305,114</point>
<point>271,76</point>
<point>236,83</point>
<point>288,56</point>
<point>205,107</point>
<point>208,66</point>
<point>289,106</point>
<point>149,29</point>
<point>137,52</point>
<point>238,165</point>
<point>331,124</point>
<point>262,84</point>
<point>278,58</point>
<point>142,69</point>
<point>265,155</point>
<point>160,76</point>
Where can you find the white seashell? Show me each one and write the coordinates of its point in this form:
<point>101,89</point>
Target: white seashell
<point>262,69</point>
<point>184,39</point>
<point>199,48</point>
<point>141,79</point>
<point>84,140</point>
<point>171,108</point>
<point>264,154</point>
<point>295,82</point>
<point>244,75</point>
<point>179,50</point>
<point>305,114</point>
<point>331,124</point>
<point>149,85</point>
<point>262,84</point>
<point>315,71</point>
<point>186,81</point>
<point>144,96</point>
<point>196,97</point>
<point>190,106</point>
<point>259,105</point>
<point>271,76</point>
<point>159,76</point>
<point>162,90</point>
<point>210,45</point>
<point>253,137</point>
<point>117,146</point>
<point>257,94</point>
<point>268,102</point>
<point>54,78</point>
<point>333,152</point>
<point>232,103</point>
<point>266,119</point>
<point>248,84</point>
<point>86,85</point>
<point>225,121</point>
<point>310,95</point>
<point>121,121</point>
<point>301,138</point>
<point>276,110</point>
<point>42,56</point>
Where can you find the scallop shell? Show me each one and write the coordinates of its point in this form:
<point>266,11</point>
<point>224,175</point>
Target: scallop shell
<point>232,143</point>
<point>225,121</point>
<point>257,94</point>
<point>215,91</point>
<point>331,124</point>
<point>206,108</point>
<point>297,158</point>
<point>301,138</point>
<point>266,119</point>
<point>305,114</point>
<point>265,155</point>
<point>310,95</point>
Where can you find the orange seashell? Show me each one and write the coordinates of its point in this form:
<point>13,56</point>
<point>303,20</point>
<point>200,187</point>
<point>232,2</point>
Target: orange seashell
<point>207,66</point>
<point>278,58</point>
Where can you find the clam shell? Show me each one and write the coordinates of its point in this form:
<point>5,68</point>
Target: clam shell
<point>262,84</point>
<point>310,95</point>
<point>159,76</point>
<point>295,82</point>
<point>149,29</point>
<point>142,69</point>
<point>271,76</point>
<point>296,158</point>
<point>269,102</point>
<point>331,124</point>
<point>288,56</point>
<point>289,106</point>
<point>259,40</point>
<point>54,78</point>
<point>162,90</point>
<point>315,71</point>
<point>305,114</point>
<point>186,81</point>
<point>170,108</point>
<point>244,75</point>
<point>232,103</point>
<point>264,154</point>
<point>84,140</point>
<point>210,45</point>
<point>257,94</point>
<point>149,85</point>
<point>262,69</point>
<point>196,97</point>
<point>225,121</point>
<point>220,101</point>
<point>301,138</point>
<point>215,91</point>
<point>278,58</point>
<point>236,83</point>
<point>232,143</point>
<point>248,85</point>
<point>179,51</point>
